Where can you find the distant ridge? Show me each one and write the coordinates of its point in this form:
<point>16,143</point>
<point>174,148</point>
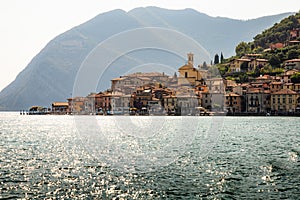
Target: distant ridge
<point>50,74</point>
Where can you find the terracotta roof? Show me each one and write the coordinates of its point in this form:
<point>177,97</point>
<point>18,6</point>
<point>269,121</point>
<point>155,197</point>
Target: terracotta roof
<point>144,78</point>
<point>254,90</point>
<point>91,95</point>
<point>277,45</point>
<point>187,66</point>
<point>253,54</point>
<point>261,78</point>
<point>245,84</point>
<point>262,60</point>
<point>146,74</point>
<point>117,79</point>
<point>276,83</point>
<point>294,60</point>
<point>290,72</point>
<point>294,41</point>
<point>285,91</point>
<point>231,83</point>
<point>232,94</point>
<point>244,59</point>
<point>60,104</point>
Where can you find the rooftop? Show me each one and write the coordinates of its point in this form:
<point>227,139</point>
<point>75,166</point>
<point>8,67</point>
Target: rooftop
<point>285,91</point>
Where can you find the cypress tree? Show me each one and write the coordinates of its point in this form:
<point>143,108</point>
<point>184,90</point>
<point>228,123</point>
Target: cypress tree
<point>222,58</point>
<point>216,61</point>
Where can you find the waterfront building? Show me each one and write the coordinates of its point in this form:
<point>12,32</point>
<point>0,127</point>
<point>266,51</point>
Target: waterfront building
<point>258,100</point>
<point>285,101</point>
<point>170,104</point>
<point>60,108</point>
<point>77,105</point>
<point>90,103</point>
<point>212,100</point>
<point>233,103</point>
<point>106,101</point>
<point>229,85</point>
<point>276,86</point>
<point>187,103</point>
<point>117,105</point>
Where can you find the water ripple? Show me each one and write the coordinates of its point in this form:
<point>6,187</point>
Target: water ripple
<point>42,157</point>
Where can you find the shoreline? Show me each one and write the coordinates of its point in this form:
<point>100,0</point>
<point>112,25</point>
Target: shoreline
<point>153,115</point>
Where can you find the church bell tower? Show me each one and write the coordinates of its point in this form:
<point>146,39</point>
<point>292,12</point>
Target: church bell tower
<point>190,59</point>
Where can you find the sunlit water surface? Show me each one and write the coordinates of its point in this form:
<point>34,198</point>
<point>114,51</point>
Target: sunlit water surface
<point>149,157</point>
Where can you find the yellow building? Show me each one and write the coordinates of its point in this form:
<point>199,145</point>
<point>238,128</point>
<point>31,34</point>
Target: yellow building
<point>235,65</point>
<point>297,87</point>
<point>259,62</point>
<point>60,107</point>
<point>286,77</point>
<point>248,62</point>
<point>77,105</point>
<point>188,75</point>
<point>276,86</point>
<point>292,64</point>
<point>170,104</point>
<point>284,101</point>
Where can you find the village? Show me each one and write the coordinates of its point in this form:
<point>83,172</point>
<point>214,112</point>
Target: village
<point>194,91</point>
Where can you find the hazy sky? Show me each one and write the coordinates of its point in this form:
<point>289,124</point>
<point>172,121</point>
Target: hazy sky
<point>28,25</point>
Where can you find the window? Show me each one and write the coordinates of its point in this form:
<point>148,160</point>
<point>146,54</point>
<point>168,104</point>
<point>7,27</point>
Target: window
<point>185,74</point>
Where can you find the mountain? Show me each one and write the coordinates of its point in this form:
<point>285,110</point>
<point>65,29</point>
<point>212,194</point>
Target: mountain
<point>52,73</point>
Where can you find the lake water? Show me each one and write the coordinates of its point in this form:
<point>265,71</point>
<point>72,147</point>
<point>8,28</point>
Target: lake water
<point>149,157</point>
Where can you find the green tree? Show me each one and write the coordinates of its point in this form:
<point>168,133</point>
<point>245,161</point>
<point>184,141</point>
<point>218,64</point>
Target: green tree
<point>243,77</point>
<point>214,71</point>
<point>274,61</point>
<point>292,54</point>
<point>242,48</point>
<point>244,67</point>
<point>223,69</point>
<point>295,78</point>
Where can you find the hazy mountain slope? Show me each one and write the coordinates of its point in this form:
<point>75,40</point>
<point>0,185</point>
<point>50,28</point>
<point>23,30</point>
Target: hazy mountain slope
<point>50,75</point>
